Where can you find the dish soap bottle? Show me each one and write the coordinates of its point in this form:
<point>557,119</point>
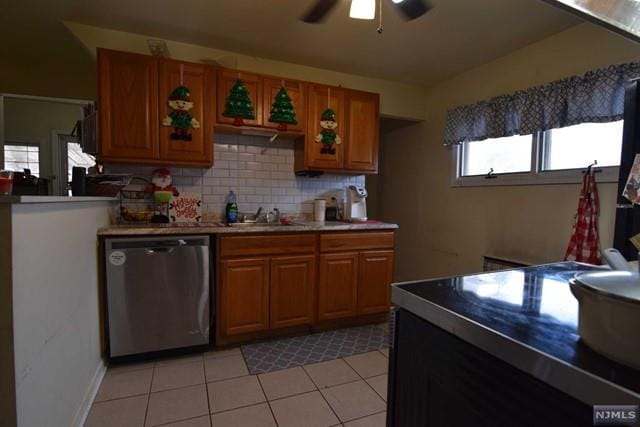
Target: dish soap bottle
<point>231,211</point>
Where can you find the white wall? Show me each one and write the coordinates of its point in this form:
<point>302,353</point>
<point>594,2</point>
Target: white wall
<point>56,310</point>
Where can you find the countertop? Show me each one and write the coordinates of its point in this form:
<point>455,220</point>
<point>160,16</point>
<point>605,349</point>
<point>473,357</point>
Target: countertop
<point>52,199</point>
<point>219,228</point>
<point>527,317</point>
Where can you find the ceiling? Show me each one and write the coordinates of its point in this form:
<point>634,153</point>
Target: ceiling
<point>454,36</point>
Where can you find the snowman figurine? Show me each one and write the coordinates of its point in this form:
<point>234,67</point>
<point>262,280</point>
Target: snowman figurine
<point>328,136</point>
<point>180,117</point>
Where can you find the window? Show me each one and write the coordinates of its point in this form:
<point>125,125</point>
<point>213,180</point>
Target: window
<point>76,157</point>
<point>19,156</point>
<point>554,156</point>
<point>575,146</point>
<point>503,155</point>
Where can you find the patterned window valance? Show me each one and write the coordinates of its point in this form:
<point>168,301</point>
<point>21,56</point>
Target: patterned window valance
<point>597,96</point>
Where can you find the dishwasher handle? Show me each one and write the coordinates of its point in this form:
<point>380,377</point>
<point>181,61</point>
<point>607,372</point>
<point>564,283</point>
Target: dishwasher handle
<point>167,247</point>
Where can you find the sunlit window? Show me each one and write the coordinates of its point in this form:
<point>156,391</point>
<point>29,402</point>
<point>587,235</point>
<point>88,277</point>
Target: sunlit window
<point>503,155</point>
<point>18,157</point>
<point>576,146</point>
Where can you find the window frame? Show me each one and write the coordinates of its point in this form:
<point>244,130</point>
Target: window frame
<point>536,176</point>
<point>23,142</point>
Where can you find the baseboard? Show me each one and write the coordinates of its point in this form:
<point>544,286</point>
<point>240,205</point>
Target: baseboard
<point>83,411</point>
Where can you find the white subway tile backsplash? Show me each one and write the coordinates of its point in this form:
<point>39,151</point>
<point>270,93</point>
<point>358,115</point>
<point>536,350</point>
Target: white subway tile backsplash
<point>260,172</point>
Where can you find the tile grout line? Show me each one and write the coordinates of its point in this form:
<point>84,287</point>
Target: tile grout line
<point>367,383</point>
<point>275,420</point>
<point>323,398</point>
<point>146,412</point>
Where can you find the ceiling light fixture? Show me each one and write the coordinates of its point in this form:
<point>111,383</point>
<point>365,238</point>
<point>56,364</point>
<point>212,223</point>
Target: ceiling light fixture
<point>363,9</point>
<point>397,1</point>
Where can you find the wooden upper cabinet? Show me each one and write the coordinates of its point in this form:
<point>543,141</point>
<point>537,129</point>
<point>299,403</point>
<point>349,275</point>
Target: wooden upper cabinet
<point>297,93</point>
<point>292,290</point>
<point>362,117</point>
<point>317,104</point>
<point>128,106</point>
<point>244,296</point>
<point>200,80</point>
<point>337,285</point>
<point>253,82</point>
<point>375,273</point>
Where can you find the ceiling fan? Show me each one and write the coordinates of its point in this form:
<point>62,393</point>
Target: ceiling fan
<point>365,9</point>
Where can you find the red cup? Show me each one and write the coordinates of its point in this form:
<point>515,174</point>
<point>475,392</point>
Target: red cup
<point>6,182</point>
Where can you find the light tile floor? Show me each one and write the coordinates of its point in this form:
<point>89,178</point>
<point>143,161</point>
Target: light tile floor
<point>214,389</point>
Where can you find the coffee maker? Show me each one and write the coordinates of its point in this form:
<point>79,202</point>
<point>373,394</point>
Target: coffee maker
<point>356,204</point>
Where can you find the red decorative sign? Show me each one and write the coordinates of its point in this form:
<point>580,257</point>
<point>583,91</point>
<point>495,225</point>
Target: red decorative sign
<point>186,208</point>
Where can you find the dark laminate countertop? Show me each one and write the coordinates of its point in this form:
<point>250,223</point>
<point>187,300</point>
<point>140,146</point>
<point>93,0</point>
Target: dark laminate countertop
<point>527,317</point>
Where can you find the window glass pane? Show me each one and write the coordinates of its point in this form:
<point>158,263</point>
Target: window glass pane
<point>76,157</point>
<point>578,146</point>
<point>504,155</point>
<point>18,157</point>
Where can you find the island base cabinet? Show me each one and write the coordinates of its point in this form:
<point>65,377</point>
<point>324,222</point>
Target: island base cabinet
<point>245,295</point>
<point>438,380</point>
<point>292,288</point>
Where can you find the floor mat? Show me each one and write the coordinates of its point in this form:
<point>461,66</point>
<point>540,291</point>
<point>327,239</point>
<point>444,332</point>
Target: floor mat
<point>297,351</point>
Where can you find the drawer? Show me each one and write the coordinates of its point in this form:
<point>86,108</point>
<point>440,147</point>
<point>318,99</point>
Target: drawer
<point>334,242</point>
<point>267,245</point>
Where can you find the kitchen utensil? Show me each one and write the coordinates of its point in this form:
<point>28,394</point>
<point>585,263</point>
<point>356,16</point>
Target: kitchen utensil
<point>615,259</point>
<point>609,313</point>
<point>319,208</point>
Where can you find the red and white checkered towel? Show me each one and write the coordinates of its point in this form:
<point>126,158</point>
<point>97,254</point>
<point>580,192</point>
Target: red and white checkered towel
<point>584,245</point>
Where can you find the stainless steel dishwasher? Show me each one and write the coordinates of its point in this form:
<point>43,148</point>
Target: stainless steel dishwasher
<point>158,293</point>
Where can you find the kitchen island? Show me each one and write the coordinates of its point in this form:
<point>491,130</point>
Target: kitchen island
<point>499,348</point>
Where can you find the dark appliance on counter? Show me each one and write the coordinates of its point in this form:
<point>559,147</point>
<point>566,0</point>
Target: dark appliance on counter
<point>158,294</point>
<point>26,184</point>
<point>78,181</point>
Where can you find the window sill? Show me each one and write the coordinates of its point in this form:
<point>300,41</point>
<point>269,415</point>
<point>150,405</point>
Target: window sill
<point>608,175</point>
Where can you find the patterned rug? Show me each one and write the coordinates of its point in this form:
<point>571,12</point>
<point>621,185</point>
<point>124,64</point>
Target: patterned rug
<point>297,351</point>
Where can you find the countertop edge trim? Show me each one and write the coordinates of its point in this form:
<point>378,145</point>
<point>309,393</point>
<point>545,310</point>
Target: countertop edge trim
<point>546,368</point>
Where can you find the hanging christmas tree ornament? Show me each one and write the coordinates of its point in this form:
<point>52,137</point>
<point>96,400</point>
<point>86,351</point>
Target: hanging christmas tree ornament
<point>180,118</point>
<point>239,104</point>
<point>328,136</point>
<point>282,111</point>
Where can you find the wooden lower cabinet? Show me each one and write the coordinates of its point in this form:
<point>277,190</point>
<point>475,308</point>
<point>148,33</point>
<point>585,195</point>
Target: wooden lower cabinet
<point>375,273</point>
<point>292,290</point>
<point>245,295</point>
<point>338,285</point>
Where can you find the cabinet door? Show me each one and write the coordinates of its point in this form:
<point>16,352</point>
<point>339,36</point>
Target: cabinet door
<point>296,91</point>
<point>245,295</point>
<point>362,131</point>
<point>375,273</point>
<point>128,106</point>
<point>226,79</point>
<point>292,290</point>
<point>200,81</point>
<point>318,102</point>
<point>337,287</point>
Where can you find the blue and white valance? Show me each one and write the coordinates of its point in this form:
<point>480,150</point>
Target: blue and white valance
<point>597,96</point>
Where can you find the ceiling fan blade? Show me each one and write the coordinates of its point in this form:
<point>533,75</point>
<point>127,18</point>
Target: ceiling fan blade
<point>319,11</point>
<point>412,9</point>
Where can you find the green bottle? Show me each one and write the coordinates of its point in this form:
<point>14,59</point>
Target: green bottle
<point>231,211</point>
